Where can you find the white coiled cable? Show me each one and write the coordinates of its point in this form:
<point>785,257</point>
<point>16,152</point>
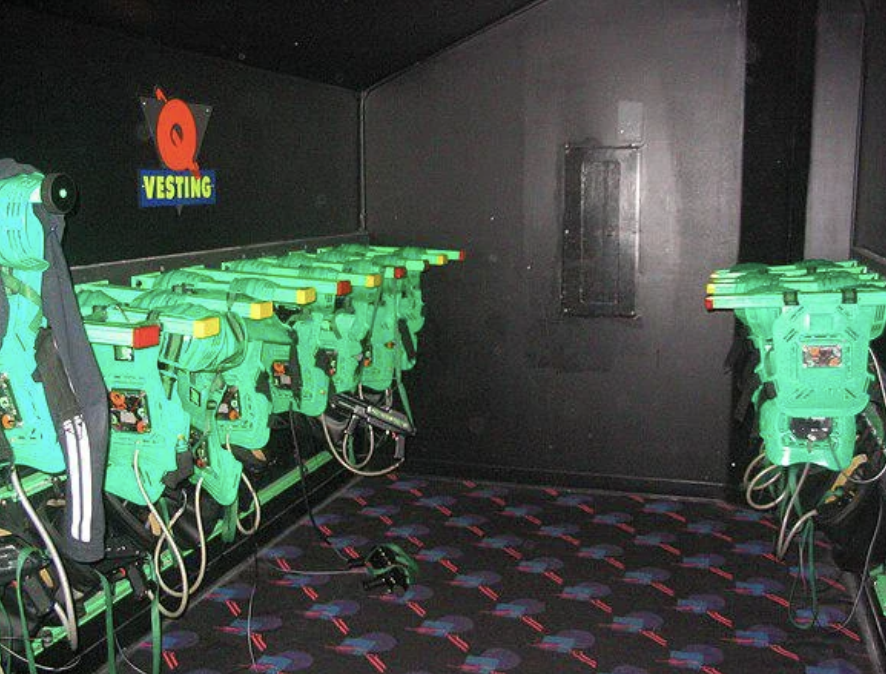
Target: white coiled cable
<point>68,616</point>
<point>176,553</point>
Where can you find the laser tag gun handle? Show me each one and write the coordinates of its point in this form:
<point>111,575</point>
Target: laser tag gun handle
<point>390,421</point>
<point>141,585</point>
<point>390,567</point>
<point>39,598</point>
<point>9,556</point>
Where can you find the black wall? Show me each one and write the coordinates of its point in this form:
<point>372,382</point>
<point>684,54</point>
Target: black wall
<point>835,129</point>
<point>467,151</point>
<point>285,150</point>
<point>870,227</point>
<point>777,131</point>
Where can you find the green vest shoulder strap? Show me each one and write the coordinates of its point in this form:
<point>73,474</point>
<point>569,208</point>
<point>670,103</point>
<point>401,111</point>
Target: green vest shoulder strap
<point>15,286</point>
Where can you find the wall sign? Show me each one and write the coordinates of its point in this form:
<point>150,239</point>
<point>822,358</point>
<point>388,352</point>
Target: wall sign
<point>177,129</point>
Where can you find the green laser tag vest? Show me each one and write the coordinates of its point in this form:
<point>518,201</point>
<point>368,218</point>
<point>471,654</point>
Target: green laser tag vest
<point>73,389</point>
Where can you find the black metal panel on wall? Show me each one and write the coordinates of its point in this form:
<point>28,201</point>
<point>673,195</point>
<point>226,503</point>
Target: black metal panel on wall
<point>467,151</point>
<point>599,252</point>
<point>285,151</point>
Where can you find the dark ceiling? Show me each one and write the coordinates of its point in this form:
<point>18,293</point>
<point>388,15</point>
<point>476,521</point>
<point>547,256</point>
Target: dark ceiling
<point>348,43</point>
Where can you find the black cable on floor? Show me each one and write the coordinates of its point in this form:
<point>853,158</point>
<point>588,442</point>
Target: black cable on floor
<point>302,470</point>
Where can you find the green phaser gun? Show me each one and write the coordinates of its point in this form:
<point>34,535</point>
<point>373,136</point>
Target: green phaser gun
<point>404,291</point>
<point>24,412</point>
<point>367,308</point>
<point>176,397</point>
<point>145,414</point>
<point>324,343</point>
<point>392,347</point>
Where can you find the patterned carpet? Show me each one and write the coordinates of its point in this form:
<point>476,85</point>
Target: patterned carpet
<point>518,579</point>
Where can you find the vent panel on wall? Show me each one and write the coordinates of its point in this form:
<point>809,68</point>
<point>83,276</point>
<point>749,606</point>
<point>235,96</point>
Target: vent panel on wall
<point>600,225</point>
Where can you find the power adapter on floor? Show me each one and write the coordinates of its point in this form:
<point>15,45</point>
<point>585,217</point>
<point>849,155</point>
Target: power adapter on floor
<point>390,567</point>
